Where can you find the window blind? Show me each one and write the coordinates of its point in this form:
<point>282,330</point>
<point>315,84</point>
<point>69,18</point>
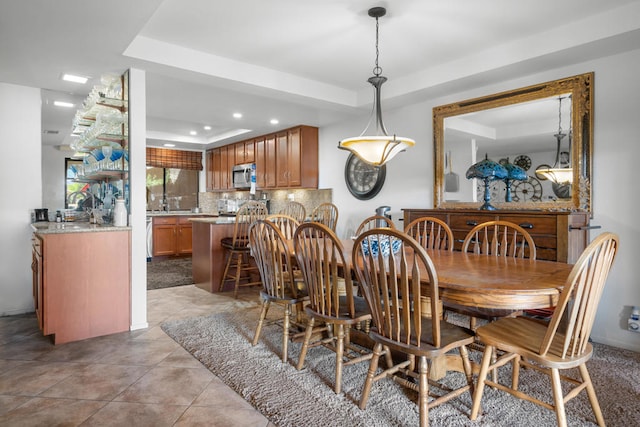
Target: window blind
<point>177,159</point>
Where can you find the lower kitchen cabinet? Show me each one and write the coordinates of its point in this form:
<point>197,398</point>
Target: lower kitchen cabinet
<point>172,235</point>
<point>81,284</point>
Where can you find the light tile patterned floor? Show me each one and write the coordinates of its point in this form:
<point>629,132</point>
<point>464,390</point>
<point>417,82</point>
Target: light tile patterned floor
<point>140,378</point>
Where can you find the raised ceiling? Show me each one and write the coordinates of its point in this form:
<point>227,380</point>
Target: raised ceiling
<point>297,61</point>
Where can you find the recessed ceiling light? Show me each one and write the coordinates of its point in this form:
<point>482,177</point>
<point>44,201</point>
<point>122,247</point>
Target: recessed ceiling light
<point>274,121</point>
<point>74,79</point>
<point>169,145</point>
<point>62,104</point>
<point>193,132</point>
<point>207,127</point>
<point>237,115</point>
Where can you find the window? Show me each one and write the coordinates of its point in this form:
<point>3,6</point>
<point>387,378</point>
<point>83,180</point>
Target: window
<point>172,189</point>
<point>73,190</point>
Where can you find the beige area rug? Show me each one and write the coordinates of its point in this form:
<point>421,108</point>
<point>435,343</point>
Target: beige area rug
<point>288,397</point>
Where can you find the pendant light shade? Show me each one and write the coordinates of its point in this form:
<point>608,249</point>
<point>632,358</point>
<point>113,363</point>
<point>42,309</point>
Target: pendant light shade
<point>374,145</point>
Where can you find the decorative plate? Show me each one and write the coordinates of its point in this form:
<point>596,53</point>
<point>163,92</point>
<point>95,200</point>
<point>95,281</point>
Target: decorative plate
<point>523,161</point>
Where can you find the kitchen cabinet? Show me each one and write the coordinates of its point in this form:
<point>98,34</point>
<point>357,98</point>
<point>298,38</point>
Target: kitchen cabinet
<point>209,170</point>
<point>82,283</point>
<point>265,153</point>
<point>244,152</point>
<point>286,159</point>
<point>172,235</point>
<point>297,158</point>
<point>559,236</point>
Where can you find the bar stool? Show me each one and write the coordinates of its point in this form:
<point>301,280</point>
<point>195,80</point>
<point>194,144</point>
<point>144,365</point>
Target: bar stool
<point>238,251</point>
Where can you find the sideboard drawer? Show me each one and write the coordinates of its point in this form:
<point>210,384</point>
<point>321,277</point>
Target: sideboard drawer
<point>558,235</point>
<point>466,221</point>
<point>534,224</point>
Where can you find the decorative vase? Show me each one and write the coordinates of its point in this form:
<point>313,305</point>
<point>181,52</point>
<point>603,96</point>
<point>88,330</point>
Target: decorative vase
<point>120,214</point>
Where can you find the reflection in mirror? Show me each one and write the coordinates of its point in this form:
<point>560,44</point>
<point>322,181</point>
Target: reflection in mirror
<point>544,129</point>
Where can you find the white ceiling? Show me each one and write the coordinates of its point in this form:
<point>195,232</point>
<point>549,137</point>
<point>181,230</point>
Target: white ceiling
<point>297,61</point>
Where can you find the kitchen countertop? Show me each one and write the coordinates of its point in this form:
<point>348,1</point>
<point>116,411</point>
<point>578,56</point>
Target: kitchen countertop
<point>178,213</point>
<point>215,220</point>
<point>73,227</point>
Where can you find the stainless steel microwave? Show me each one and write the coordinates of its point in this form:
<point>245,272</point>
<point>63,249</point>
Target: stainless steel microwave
<point>242,175</point>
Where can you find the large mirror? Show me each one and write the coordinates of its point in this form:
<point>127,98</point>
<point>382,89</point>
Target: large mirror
<point>545,129</point>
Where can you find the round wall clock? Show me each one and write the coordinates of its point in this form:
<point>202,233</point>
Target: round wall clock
<point>363,180</point>
<point>523,161</point>
<point>527,191</point>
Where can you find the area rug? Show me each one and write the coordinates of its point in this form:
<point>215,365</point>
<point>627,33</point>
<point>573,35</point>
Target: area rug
<point>170,272</point>
<point>288,397</point>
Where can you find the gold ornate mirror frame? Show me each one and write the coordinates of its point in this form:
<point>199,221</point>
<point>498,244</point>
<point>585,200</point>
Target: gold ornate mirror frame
<point>580,88</point>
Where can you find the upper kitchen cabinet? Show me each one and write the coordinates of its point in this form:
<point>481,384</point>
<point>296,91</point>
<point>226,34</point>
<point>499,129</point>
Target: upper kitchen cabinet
<point>265,153</point>
<point>244,152</point>
<point>297,157</point>
<point>286,159</point>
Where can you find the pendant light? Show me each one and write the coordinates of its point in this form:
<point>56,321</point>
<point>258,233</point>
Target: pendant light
<point>557,174</point>
<point>374,145</point>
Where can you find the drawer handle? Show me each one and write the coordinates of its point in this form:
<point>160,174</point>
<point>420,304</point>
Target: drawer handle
<point>585,227</point>
<point>527,225</point>
<point>472,223</point>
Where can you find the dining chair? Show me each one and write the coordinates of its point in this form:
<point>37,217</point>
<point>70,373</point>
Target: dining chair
<point>237,250</point>
<point>500,238</point>
<point>557,345</point>
<point>295,210</point>
<point>431,233</point>
<point>327,214</point>
<point>332,301</point>
<point>280,283</point>
<point>374,221</point>
<point>287,224</point>
<point>391,267</point>
<point>494,238</point>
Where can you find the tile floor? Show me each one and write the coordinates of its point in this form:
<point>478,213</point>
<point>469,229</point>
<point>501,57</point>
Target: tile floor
<point>140,378</point>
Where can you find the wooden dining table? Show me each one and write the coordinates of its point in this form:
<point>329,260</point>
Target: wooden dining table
<point>488,282</point>
<point>494,282</point>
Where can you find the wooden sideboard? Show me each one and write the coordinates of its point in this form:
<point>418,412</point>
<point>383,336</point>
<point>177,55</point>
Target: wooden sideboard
<point>559,236</point>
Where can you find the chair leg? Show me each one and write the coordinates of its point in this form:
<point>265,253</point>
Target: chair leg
<point>515,376</point>
<point>240,258</point>
<point>263,315</point>
<point>305,344</point>
<point>226,270</point>
<point>591,392</point>
<point>285,332</point>
<point>373,367</point>
<point>482,376</point>
<point>339,360</point>
<point>558,398</point>
<point>466,366</point>
<point>423,388</point>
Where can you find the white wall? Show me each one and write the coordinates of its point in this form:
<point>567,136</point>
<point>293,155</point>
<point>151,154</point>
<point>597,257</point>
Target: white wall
<point>409,182</point>
<point>20,192</point>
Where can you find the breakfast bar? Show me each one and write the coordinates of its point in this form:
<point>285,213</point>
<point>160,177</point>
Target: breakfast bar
<point>208,256</point>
